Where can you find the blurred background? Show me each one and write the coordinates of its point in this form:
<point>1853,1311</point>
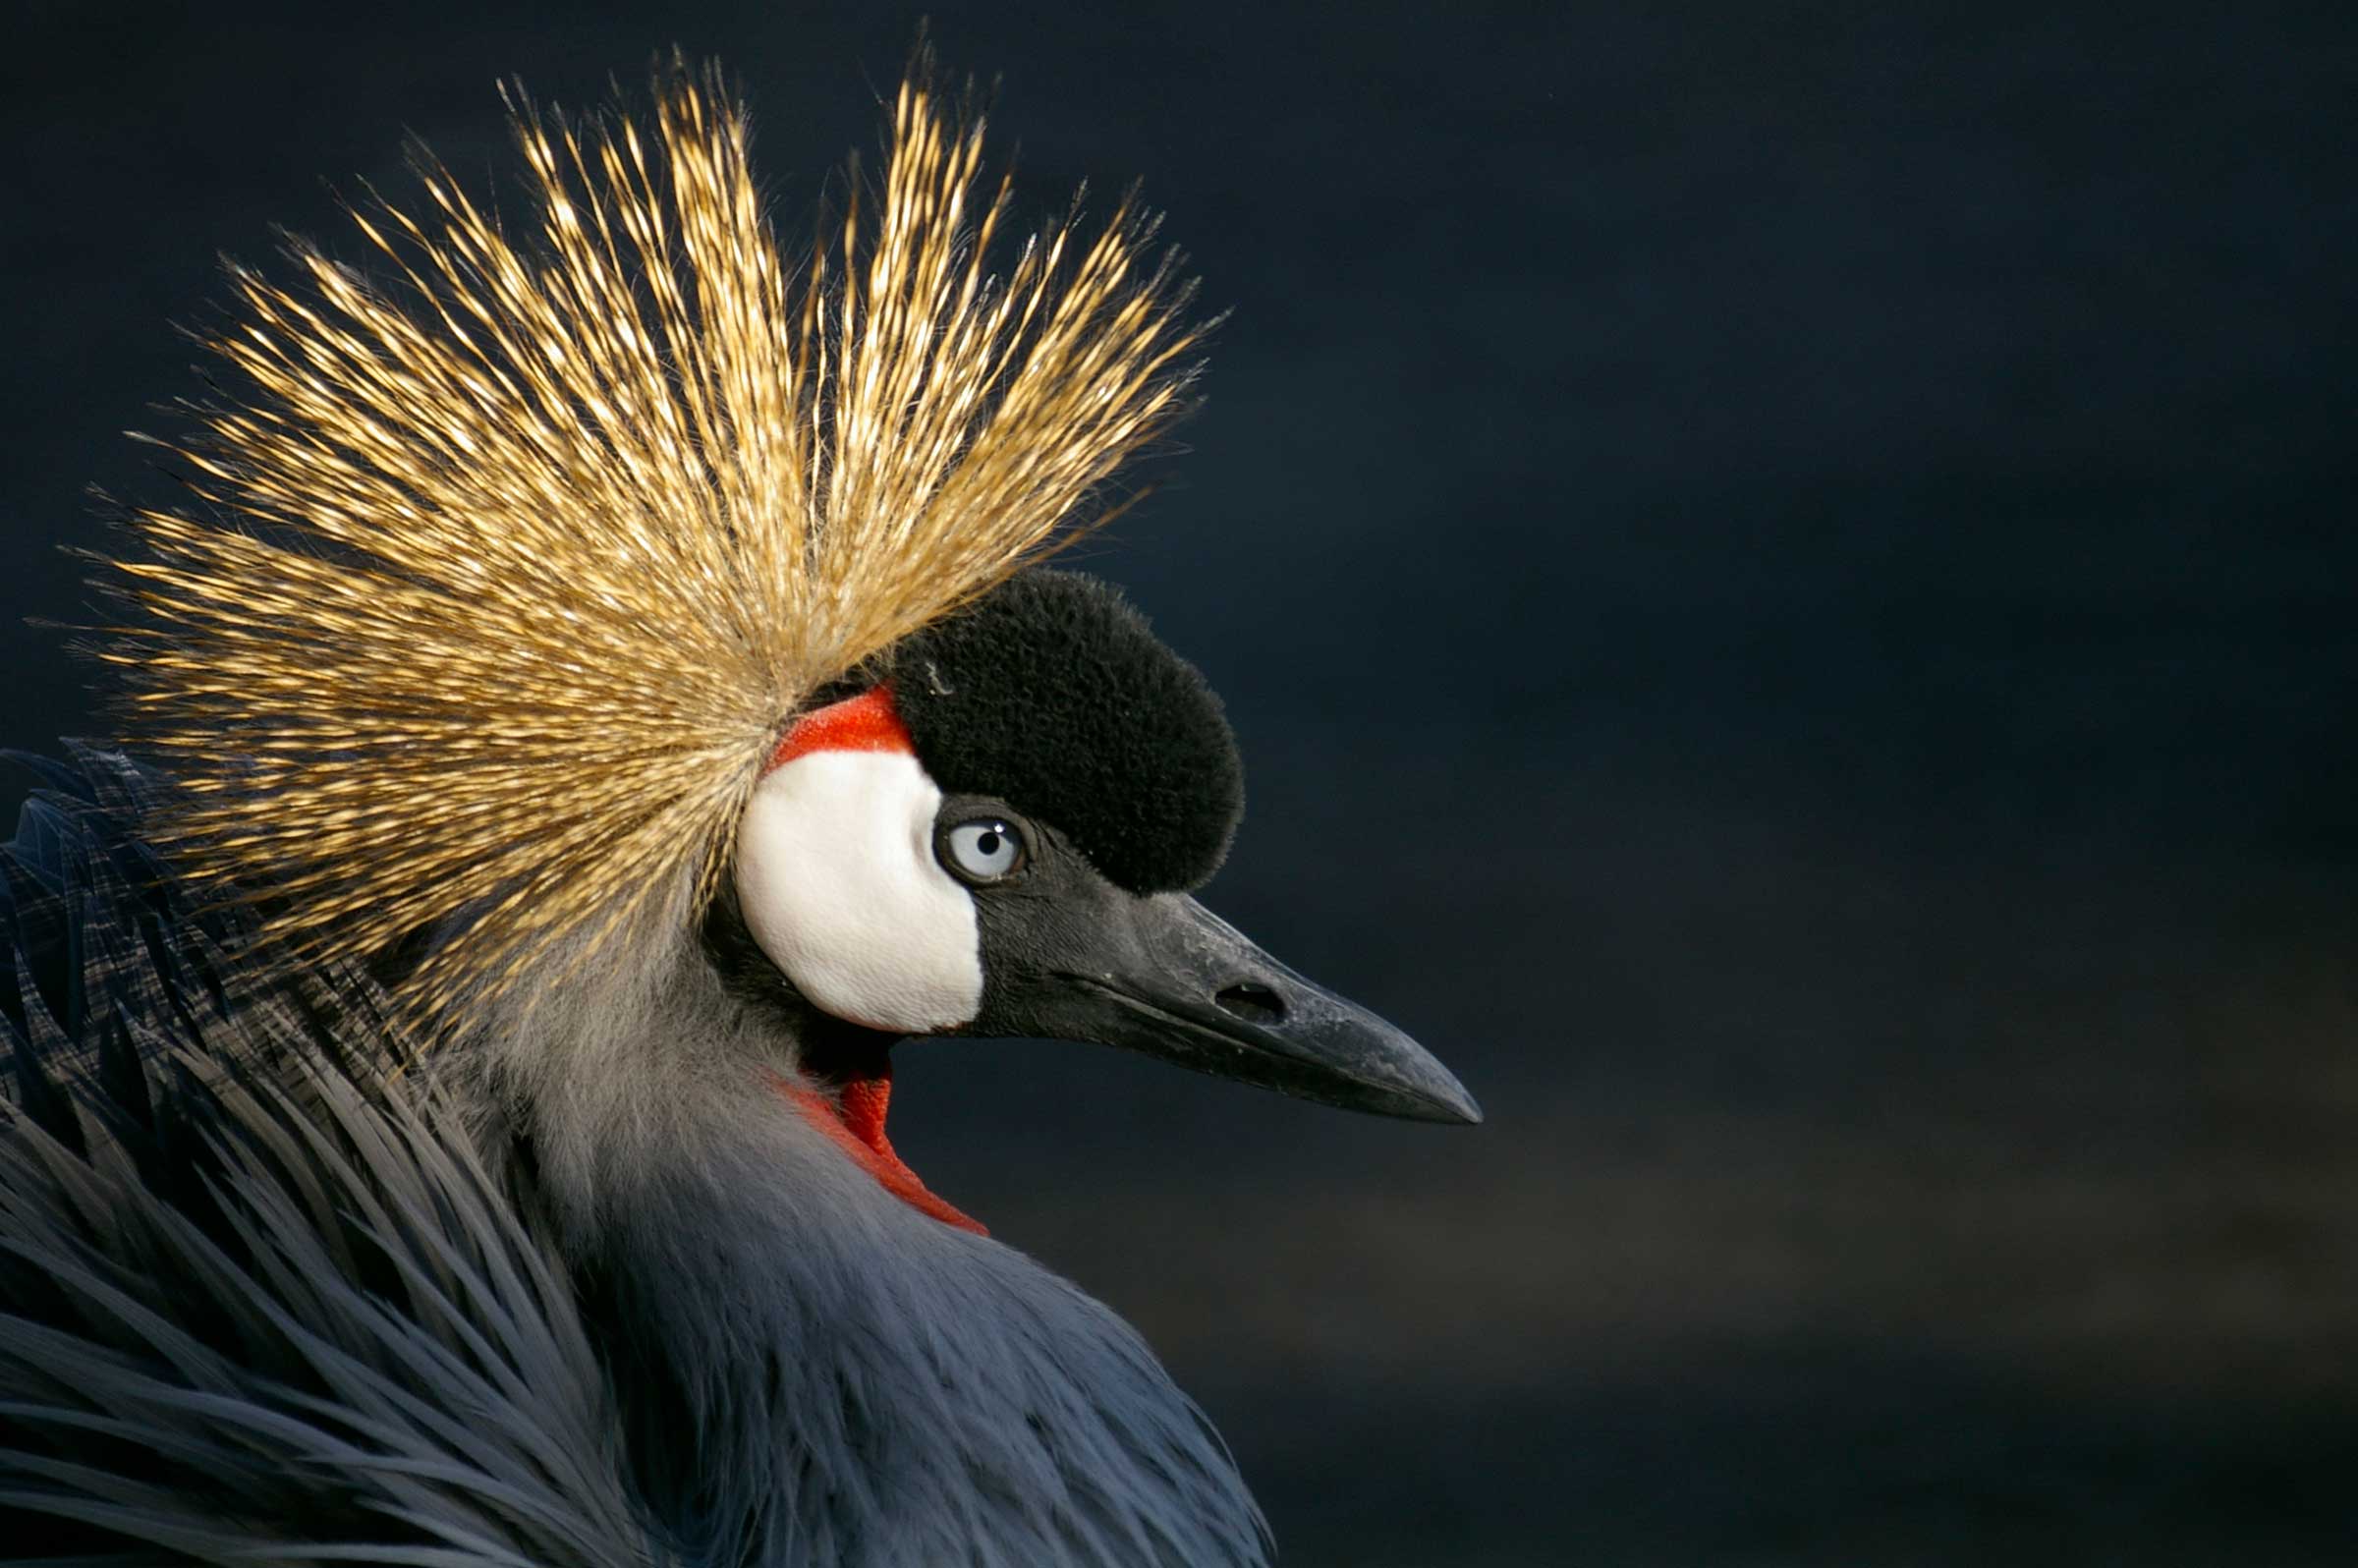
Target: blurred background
<point>1785,578</point>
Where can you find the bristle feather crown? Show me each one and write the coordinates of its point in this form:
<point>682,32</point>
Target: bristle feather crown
<point>504,576</point>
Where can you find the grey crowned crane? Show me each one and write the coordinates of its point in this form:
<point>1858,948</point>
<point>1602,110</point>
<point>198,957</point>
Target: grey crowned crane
<point>601,694</point>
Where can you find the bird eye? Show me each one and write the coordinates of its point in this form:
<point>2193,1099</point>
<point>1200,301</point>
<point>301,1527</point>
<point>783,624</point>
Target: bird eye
<point>984,849</point>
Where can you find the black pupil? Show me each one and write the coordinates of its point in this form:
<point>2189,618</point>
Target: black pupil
<point>989,843</point>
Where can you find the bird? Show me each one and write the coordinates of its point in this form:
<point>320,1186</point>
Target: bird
<point>602,689</point>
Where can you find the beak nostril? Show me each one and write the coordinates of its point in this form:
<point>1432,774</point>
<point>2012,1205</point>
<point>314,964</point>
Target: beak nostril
<point>1251,1001</point>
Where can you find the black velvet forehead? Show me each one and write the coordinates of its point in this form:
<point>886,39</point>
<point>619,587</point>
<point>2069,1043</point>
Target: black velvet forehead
<point>1051,693</point>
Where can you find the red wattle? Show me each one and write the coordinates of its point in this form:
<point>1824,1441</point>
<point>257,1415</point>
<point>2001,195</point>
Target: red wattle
<point>856,1127</point>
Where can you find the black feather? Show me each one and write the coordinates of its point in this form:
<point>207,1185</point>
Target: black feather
<point>1051,693</point>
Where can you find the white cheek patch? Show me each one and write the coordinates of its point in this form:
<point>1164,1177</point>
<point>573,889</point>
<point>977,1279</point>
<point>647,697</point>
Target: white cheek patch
<point>839,887</point>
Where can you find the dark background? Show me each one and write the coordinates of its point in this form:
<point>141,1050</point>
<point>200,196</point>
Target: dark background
<point>1785,576</point>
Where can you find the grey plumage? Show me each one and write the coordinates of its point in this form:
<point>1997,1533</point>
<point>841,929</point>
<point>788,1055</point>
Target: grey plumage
<point>258,1306</point>
<point>269,1301</point>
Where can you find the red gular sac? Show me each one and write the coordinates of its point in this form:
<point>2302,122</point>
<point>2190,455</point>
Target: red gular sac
<point>854,1117</point>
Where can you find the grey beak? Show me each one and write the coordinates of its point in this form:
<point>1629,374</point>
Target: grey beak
<point>1168,977</point>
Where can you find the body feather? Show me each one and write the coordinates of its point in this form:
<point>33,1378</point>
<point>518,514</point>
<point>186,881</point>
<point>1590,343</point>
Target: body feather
<point>259,1302</point>
<point>269,1300</point>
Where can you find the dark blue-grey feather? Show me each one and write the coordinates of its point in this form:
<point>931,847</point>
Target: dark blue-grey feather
<point>264,1300</point>
<point>256,1305</point>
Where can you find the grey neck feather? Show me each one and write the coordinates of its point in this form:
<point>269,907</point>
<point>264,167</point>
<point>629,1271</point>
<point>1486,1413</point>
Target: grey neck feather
<point>813,1371</point>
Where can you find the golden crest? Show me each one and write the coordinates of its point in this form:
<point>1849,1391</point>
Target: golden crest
<point>505,570</point>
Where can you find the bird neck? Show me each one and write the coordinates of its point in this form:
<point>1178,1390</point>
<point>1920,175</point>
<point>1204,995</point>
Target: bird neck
<point>811,1370</point>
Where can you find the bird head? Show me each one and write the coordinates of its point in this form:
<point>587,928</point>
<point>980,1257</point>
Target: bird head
<point>996,832</point>
<point>572,587</point>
